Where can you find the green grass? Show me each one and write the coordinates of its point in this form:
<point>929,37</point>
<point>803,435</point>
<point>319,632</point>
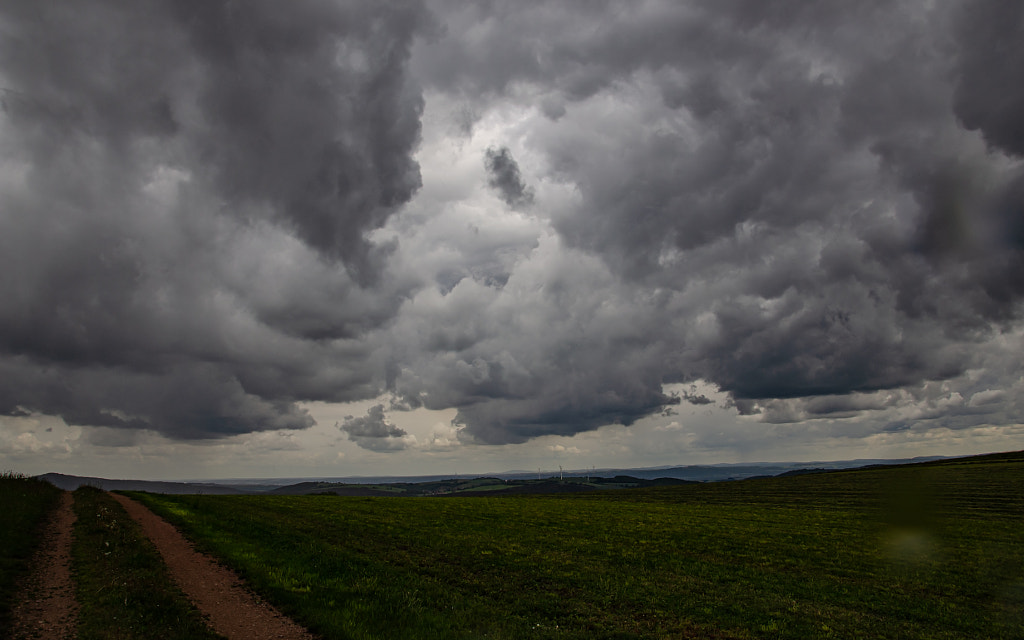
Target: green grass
<point>930,551</point>
<point>124,589</point>
<point>26,502</point>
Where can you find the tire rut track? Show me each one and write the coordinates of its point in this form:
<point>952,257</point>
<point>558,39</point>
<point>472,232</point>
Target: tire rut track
<point>47,608</point>
<point>232,609</point>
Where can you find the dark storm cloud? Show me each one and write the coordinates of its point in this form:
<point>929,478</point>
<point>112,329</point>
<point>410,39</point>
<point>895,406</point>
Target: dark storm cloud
<point>560,348</point>
<point>309,111</point>
<point>989,95</point>
<point>504,177</point>
<point>588,389</point>
<point>794,188</point>
<point>184,201</point>
<point>190,401</point>
<point>295,115</point>
<point>373,431</point>
<point>207,211</point>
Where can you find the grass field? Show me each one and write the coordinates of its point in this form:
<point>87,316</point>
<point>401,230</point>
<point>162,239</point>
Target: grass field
<point>25,502</point>
<point>928,551</point>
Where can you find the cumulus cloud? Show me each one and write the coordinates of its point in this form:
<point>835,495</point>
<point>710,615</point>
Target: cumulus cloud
<point>786,200</point>
<point>186,193</point>
<point>521,361</point>
<point>212,212</point>
<point>374,432</point>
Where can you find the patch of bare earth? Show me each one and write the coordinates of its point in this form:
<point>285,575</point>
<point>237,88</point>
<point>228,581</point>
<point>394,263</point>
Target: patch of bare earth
<point>233,610</point>
<point>46,608</point>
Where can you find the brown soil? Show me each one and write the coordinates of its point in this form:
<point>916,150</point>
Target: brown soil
<point>46,607</point>
<point>233,610</point>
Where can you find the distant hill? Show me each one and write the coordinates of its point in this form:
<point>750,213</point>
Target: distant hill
<point>309,488</point>
<point>501,484</point>
<point>70,483</point>
<point>470,487</point>
<point>742,470</point>
<point>696,473</point>
<point>537,487</point>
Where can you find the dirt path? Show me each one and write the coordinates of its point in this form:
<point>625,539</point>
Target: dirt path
<point>233,610</point>
<point>47,608</point>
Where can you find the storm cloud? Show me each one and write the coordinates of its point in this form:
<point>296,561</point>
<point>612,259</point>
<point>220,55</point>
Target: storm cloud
<point>374,432</point>
<point>787,201</point>
<point>505,177</point>
<point>538,214</point>
<point>186,193</point>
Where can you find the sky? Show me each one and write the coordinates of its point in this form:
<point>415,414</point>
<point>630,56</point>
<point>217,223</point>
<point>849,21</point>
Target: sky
<point>331,238</point>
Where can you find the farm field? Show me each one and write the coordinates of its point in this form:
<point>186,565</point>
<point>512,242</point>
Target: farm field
<point>923,551</point>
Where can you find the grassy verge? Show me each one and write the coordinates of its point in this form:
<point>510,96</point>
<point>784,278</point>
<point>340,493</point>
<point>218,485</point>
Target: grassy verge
<point>26,502</point>
<point>124,589</point>
<point>916,552</point>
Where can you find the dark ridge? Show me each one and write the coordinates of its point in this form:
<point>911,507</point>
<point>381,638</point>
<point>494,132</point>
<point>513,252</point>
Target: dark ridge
<point>71,483</point>
<point>328,488</point>
<point>801,472</point>
<point>542,487</point>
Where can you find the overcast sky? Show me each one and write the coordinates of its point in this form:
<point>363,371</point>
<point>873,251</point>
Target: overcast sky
<point>272,238</point>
